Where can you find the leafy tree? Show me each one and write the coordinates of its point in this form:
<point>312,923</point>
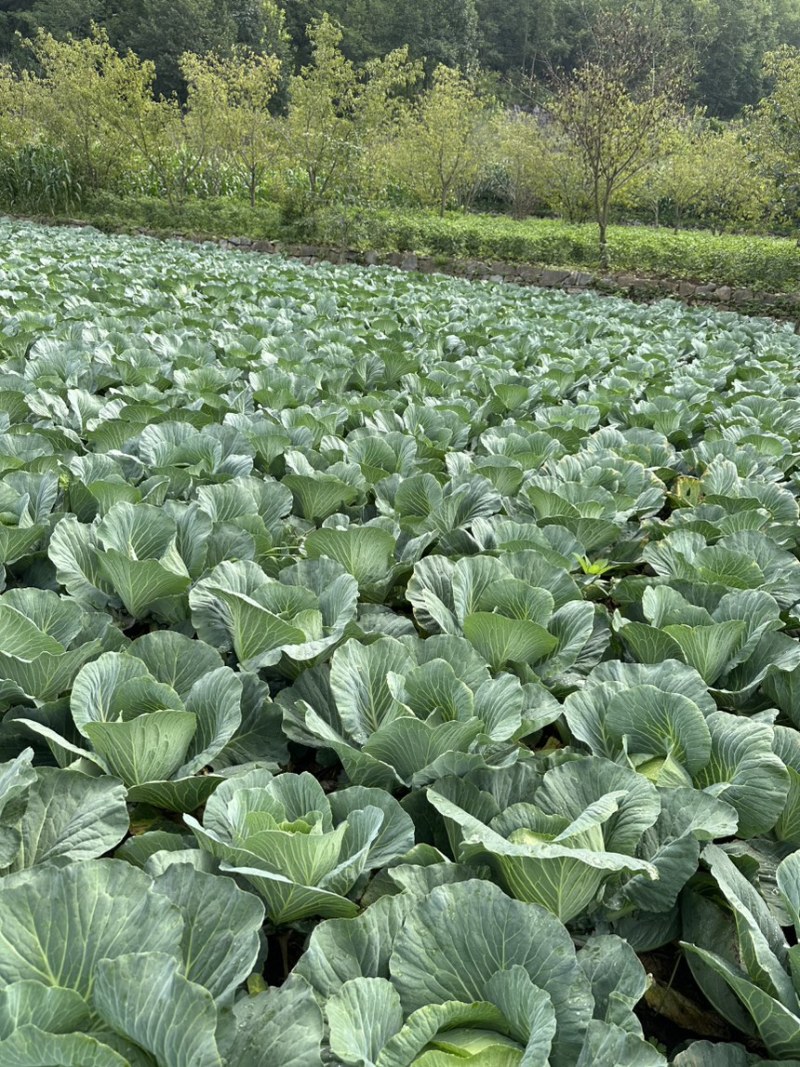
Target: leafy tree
<point>721,43</point>
<point>81,99</point>
<point>543,169</point>
<point>22,19</point>
<point>730,189</point>
<point>442,32</point>
<point>64,17</point>
<point>441,145</point>
<point>174,147</point>
<point>317,133</point>
<point>734,39</point>
<point>98,108</point>
<point>707,174</point>
<point>775,127</point>
<point>524,38</point>
<point>16,121</point>
<point>34,175</point>
<point>177,144</point>
<point>568,188</point>
<point>300,17</point>
<point>617,135</point>
<point>340,120</point>
<point>261,27</point>
<point>383,100</point>
<point>261,24</point>
<point>520,140</point>
<point>438,31</point>
<point>675,178</point>
<point>236,92</point>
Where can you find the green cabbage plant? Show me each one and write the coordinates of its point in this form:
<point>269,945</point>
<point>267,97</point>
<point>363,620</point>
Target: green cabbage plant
<point>304,852</point>
<point>580,827</point>
<point>406,712</point>
<point>465,975</point>
<point>661,720</point>
<point>155,717</point>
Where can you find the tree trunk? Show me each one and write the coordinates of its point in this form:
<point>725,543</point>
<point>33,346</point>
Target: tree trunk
<point>601,215</point>
<point>253,184</point>
<point>168,189</point>
<point>602,226</point>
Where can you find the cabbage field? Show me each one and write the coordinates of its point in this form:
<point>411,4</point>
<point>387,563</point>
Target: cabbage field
<point>393,670</point>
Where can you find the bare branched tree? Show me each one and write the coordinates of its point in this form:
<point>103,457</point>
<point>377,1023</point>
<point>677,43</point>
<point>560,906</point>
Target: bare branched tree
<point>617,106</point>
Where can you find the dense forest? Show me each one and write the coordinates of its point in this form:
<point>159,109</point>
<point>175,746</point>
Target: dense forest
<point>516,42</point>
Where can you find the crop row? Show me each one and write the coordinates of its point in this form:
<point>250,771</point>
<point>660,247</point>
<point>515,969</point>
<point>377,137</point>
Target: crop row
<point>386,663</point>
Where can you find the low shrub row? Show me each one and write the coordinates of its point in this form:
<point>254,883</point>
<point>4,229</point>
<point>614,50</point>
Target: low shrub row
<point>767,263</point>
<point>770,264</point>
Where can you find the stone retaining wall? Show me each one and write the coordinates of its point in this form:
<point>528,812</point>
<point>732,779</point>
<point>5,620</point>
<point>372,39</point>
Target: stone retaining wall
<point>723,297</point>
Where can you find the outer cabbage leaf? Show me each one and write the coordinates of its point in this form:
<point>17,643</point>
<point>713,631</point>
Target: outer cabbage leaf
<point>70,817</point>
<point>281,1026</point>
<point>764,977</point>
<point>145,997</point>
<point>55,925</point>
<point>569,824</point>
<point>45,640</point>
